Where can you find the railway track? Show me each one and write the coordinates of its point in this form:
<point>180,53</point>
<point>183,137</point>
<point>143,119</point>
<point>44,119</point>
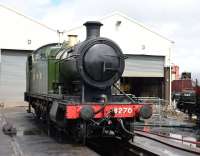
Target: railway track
<point>142,146</point>
<point>116,147</point>
<point>31,132</point>
<point>174,143</point>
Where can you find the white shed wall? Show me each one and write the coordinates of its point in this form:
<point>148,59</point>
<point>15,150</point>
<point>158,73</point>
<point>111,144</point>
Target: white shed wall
<point>132,37</point>
<point>17,29</point>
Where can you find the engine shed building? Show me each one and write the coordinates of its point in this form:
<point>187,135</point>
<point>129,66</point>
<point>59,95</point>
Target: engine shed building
<point>148,53</point>
<point>19,35</point>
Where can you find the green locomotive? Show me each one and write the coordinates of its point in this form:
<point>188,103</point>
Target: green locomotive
<point>69,87</point>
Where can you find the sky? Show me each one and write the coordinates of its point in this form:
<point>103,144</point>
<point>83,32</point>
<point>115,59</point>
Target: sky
<point>178,20</point>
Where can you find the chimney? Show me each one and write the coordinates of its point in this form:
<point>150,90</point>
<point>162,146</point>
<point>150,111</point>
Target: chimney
<point>93,29</point>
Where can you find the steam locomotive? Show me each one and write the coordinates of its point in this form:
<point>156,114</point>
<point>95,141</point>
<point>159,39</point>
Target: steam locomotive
<point>189,102</point>
<point>69,86</point>
<point>187,96</point>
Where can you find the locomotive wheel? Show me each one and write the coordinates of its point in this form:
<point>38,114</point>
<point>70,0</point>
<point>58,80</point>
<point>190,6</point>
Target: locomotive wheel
<point>59,134</point>
<point>37,113</point>
<point>81,133</point>
<point>50,129</point>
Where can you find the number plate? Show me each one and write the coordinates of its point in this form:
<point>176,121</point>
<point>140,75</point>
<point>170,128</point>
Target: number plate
<point>123,110</point>
<point>120,110</point>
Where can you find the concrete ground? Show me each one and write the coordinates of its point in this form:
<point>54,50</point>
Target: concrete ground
<point>30,140</point>
<point>12,103</point>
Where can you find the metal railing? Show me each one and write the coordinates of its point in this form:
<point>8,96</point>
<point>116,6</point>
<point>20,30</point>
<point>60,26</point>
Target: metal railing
<point>160,107</point>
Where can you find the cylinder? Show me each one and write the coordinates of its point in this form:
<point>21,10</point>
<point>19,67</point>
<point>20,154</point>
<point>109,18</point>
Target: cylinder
<point>92,29</point>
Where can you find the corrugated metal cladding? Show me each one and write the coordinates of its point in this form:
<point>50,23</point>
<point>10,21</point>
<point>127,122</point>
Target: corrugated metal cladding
<point>12,75</point>
<point>144,66</point>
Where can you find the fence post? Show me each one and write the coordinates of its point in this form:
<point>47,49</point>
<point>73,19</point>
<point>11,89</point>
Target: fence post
<point>159,103</point>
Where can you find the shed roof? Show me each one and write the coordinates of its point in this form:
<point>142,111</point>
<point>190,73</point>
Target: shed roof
<point>26,17</point>
<point>127,18</point>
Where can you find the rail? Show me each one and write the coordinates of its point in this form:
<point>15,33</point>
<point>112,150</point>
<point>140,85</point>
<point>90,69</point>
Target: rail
<point>116,147</point>
<point>167,140</point>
